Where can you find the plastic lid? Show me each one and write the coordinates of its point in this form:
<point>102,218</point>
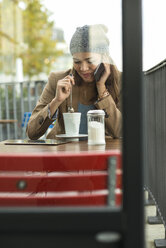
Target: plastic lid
<point>96,112</point>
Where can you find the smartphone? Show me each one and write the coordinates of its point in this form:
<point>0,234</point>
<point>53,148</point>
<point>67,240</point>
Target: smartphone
<point>99,72</point>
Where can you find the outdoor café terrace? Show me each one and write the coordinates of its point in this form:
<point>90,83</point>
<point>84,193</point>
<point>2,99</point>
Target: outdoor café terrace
<point>76,195</point>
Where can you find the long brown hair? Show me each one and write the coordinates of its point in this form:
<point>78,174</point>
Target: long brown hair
<point>112,83</point>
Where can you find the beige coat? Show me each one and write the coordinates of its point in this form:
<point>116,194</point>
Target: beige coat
<point>85,94</point>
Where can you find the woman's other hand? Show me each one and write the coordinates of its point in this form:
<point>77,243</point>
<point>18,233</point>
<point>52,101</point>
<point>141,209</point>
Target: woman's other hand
<point>64,88</point>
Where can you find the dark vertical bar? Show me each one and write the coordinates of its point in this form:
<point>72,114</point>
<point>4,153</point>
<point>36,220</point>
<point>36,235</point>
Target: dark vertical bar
<point>7,110</point>
<point>36,92</point>
<point>29,97</point>
<point>133,123</point>
<point>15,110</point>
<point>21,100</point>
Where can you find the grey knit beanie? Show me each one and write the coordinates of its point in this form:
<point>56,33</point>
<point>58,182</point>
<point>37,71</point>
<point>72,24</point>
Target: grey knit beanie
<point>90,38</point>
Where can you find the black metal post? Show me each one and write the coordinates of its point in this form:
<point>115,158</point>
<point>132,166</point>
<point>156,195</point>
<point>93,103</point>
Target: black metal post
<point>133,123</point>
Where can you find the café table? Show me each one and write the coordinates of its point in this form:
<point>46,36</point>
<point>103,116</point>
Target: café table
<point>69,147</point>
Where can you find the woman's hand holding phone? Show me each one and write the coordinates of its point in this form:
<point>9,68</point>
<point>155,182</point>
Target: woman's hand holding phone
<point>101,75</point>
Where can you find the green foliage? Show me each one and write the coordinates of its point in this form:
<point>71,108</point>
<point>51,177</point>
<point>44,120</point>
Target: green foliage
<point>41,49</point>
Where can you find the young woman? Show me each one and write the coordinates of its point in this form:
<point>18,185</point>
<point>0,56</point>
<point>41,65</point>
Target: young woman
<point>89,48</point>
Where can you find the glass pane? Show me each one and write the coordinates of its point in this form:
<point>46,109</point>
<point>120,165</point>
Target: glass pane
<point>46,166</point>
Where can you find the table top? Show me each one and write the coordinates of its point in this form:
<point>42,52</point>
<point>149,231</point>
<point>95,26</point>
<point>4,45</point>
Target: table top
<point>71,147</point>
<point>6,121</point>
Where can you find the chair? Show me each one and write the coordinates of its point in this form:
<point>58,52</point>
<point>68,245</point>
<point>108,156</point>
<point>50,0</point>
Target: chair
<point>84,179</point>
<point>24,123</point>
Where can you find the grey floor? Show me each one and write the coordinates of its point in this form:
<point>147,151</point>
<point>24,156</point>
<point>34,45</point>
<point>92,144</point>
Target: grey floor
<point>152,232</point>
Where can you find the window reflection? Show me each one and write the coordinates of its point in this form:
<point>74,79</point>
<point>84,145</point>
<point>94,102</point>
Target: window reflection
<point>29,42</point>
<point>32,44</point>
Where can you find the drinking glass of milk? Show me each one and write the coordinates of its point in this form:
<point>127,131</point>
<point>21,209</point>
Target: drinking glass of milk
<point>96,127</point>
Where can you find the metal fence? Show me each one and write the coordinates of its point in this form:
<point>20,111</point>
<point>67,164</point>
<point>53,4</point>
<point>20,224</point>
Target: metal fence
<point>15,100</point>
<point>155,138</point>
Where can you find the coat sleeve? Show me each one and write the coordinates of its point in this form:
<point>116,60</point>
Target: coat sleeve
<point>113,117</point>
<point>39,121</point>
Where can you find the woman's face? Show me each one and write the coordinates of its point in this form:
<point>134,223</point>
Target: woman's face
<point>85,65</point>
